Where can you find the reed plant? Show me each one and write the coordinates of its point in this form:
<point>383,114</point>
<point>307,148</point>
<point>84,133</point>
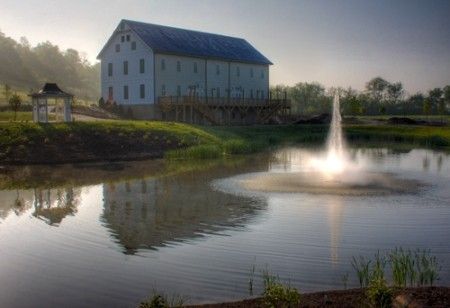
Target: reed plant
<point>362,266</point>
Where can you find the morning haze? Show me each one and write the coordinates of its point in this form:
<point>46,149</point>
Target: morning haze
<point>337,43</point>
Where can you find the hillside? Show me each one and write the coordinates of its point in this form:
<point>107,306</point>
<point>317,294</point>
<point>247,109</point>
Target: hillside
<point>26,68</point>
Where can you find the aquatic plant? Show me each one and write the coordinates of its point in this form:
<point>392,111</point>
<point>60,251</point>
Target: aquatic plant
<point>251,280</point>
<point>402,264</point>
<point>379,293</point>
<point>427,268</point>
<point>377,270</point>
<point>161,300</point>
<point>407,268</point>
<point>277,294</point>
<point>345,280</point>
<point>362,267</point>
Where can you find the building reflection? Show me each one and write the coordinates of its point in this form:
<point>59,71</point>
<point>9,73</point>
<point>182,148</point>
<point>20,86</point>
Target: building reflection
<point>151,213</point>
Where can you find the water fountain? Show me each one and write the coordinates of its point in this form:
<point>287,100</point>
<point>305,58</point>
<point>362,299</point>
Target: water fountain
<point>327,172</point>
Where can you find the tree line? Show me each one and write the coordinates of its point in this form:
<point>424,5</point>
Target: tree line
<point>27,68</point>
<point>378,98</point>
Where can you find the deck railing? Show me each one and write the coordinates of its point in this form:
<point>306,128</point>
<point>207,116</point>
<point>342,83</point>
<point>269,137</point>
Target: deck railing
<point>218,101</point>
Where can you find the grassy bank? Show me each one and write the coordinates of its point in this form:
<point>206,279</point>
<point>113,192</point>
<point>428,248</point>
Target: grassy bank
<point>91,141</point>
<point>130,140</point>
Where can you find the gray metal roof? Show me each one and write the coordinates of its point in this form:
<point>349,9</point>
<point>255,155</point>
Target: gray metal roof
<point>169,40</point>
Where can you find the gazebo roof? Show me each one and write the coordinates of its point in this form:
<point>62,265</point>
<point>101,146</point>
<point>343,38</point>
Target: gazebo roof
<point>51,90</point>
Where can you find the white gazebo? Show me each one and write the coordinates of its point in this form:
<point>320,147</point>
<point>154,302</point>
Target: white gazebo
<point>51,99</point>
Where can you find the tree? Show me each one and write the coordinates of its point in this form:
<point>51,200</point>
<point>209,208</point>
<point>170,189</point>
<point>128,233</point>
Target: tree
<point>376,88</point>
<point>6,92</point>
<point>395,92</point>
<point>15,101</point>
<point>435,97</point>
<point>427,106</point>
<point>447,96</point>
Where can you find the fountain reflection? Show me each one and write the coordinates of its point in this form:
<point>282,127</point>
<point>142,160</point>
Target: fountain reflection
<point>335,216</point>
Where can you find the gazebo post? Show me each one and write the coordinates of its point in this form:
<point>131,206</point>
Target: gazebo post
<point>67,110</point>
<point>35,110</point>
<point>46,111</point>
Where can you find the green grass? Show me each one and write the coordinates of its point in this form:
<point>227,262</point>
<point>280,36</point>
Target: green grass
<point>436,118</point>
<point>21,116</point>
<point>101,140</point>
<point>424,136</point>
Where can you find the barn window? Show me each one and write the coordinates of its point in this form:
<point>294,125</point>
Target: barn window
<point>128,37</point>
<point>142,66</point>
<point>163,64</point>
<point>217,69</point>
<point>110,93</point>
<point>195,67</point>
<point>133,45</point>
<point>238,71</point>
<point>110,69</point>
<point>178,66</point>
<point>142,90</point>
<point>163,90</point>
<point>125,92</point>
<point>125,67</point>
<point>117,47</point>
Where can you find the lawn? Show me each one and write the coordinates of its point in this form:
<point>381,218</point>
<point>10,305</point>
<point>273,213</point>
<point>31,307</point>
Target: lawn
<point>125,140</point>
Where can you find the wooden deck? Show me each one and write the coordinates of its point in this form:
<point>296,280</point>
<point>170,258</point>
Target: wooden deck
<point>221,111</point>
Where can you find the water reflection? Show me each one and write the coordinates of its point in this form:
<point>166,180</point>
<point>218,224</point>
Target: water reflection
<point>53,205</point>
<point>335,216</point>
<point>151,213</point>
<point>173,226</point>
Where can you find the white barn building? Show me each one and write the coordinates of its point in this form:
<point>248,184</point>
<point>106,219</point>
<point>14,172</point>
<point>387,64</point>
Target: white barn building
<point>145,64</point>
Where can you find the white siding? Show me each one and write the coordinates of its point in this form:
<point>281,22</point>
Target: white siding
<point>134,78</point>
<point>171,78</point>
<point>246,82</point>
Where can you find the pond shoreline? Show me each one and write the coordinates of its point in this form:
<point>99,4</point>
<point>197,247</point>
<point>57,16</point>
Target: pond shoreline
<point>112,141</point>
<point>408,297</point>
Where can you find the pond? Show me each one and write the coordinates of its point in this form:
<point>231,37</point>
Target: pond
<point>111,234</point>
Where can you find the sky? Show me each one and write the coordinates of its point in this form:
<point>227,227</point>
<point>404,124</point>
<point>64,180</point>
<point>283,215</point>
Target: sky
<point>334,42</point>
